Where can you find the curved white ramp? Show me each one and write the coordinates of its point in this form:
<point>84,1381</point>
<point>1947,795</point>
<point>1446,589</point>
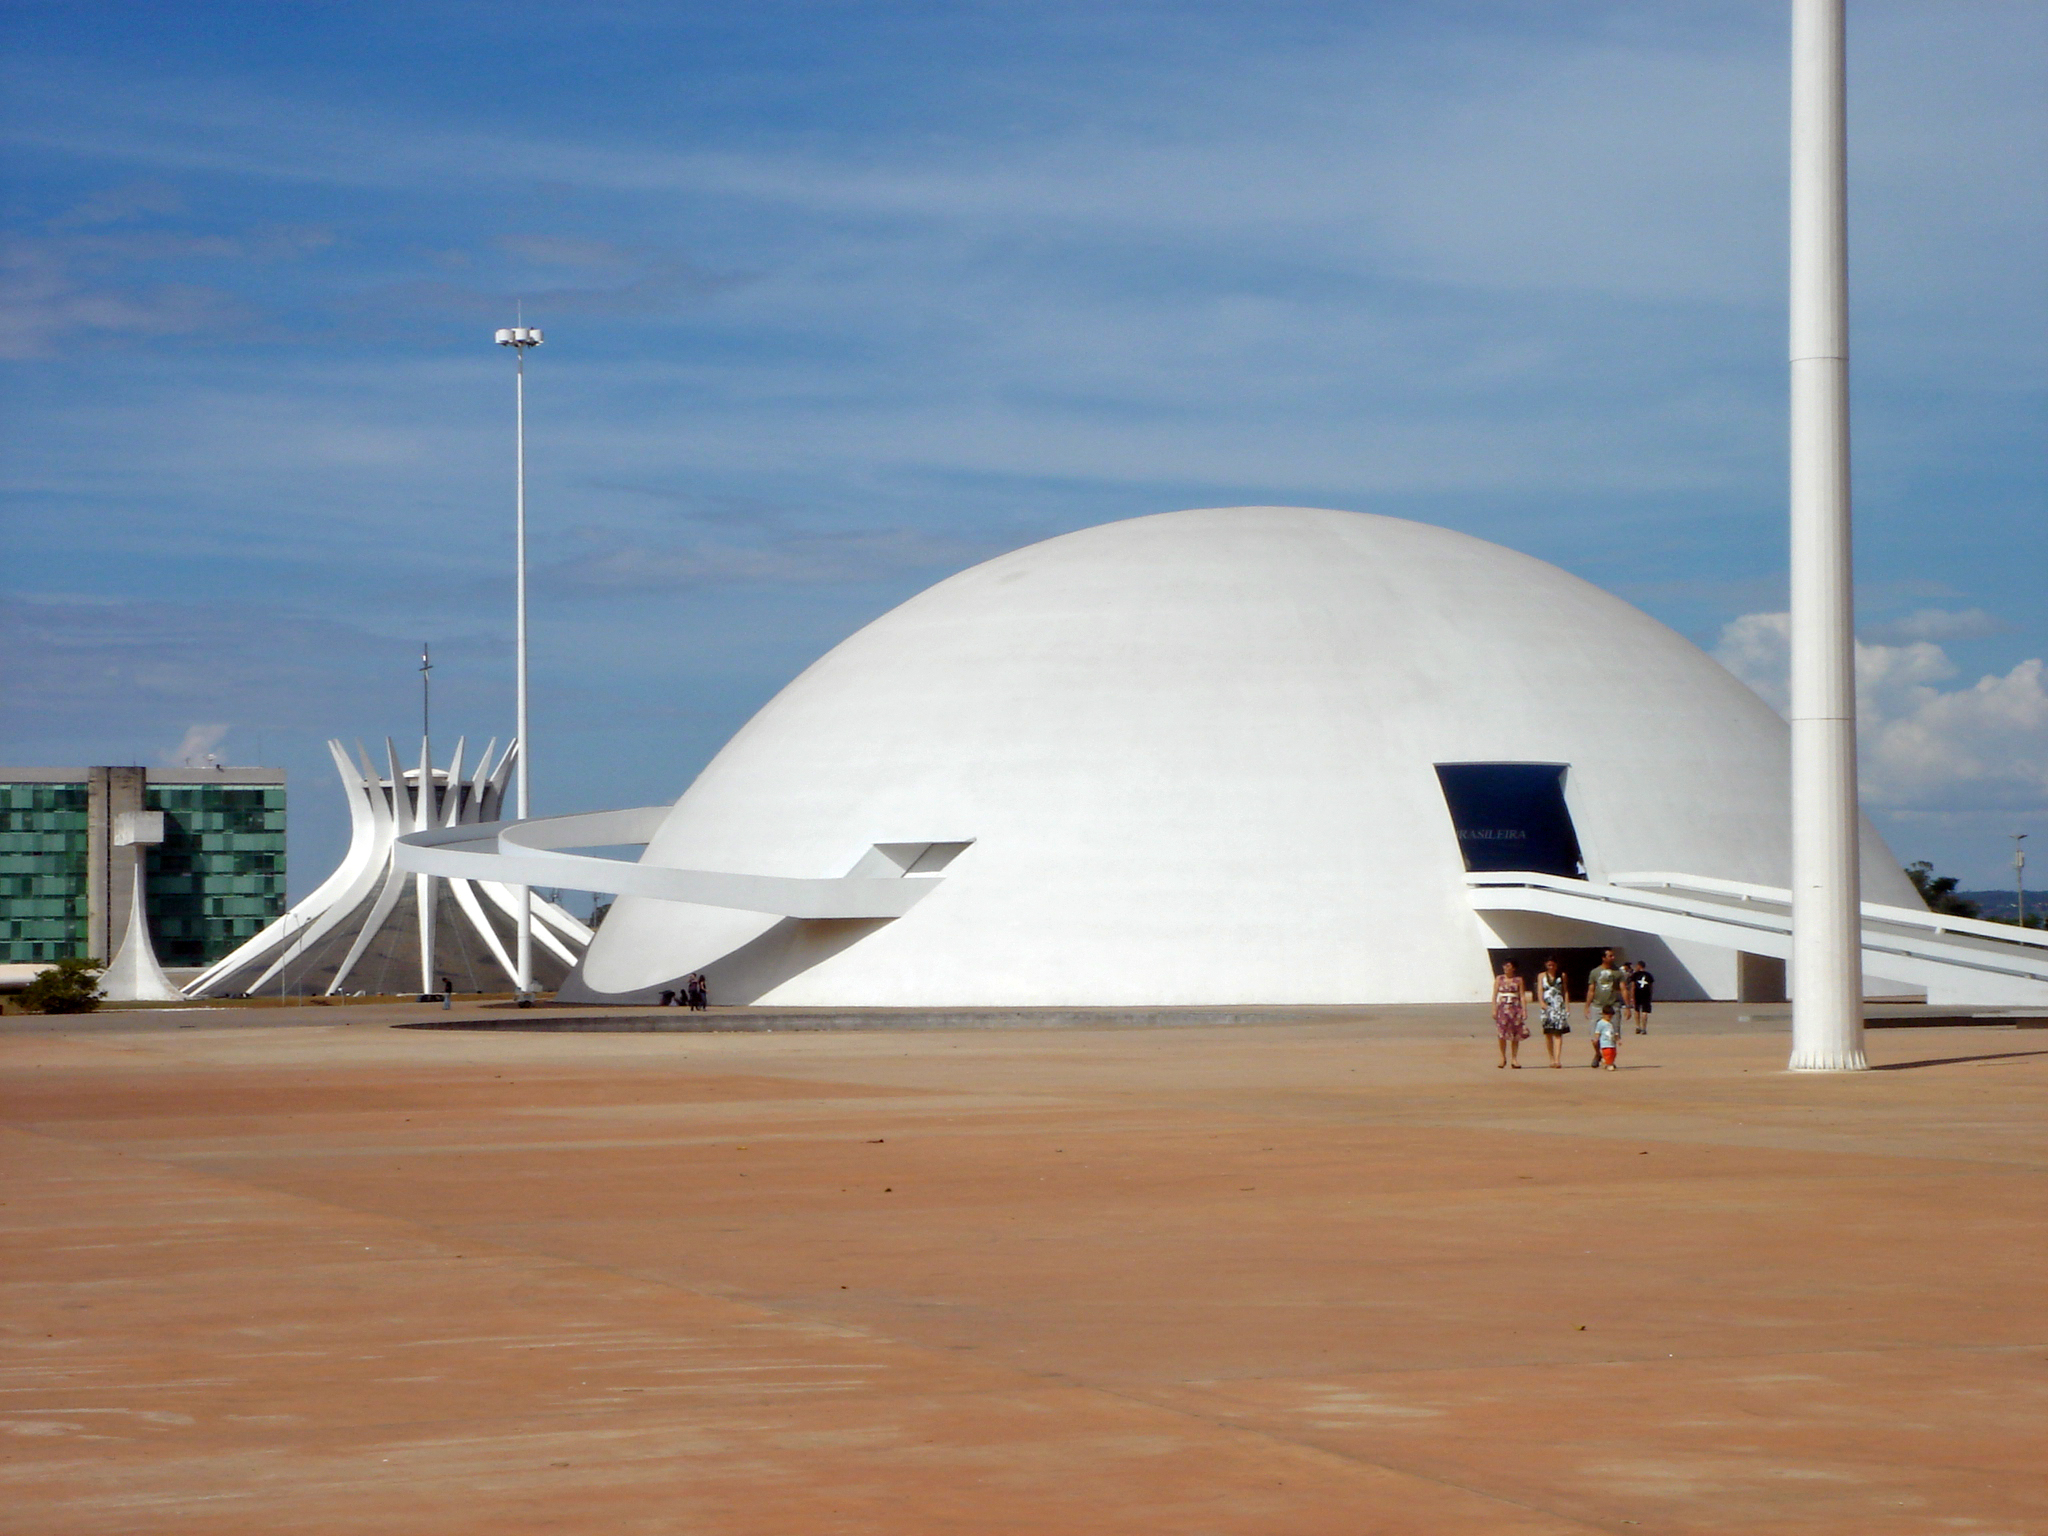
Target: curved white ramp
<point>1957,959</point>
<point>532,853</point>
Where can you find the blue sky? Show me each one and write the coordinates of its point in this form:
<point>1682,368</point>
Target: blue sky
<point>841,298</point>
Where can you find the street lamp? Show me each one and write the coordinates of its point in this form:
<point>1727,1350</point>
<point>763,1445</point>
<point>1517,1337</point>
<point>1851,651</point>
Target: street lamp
<point>2019,878</point>
<point>426,691</point>
<point>519,338</point>
<point>288,984</point>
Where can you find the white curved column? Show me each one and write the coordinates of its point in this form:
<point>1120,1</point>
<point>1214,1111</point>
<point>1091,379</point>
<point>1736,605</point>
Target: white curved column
<point>134,975</point>
<point>330,901</point>
<point>465,893</point>
<point>506,899</point>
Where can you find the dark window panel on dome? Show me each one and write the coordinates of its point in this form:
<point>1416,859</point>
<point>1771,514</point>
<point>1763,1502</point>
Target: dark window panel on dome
<point>1512,817</point>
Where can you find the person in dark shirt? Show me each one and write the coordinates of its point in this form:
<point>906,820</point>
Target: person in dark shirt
<point>1641,984</point>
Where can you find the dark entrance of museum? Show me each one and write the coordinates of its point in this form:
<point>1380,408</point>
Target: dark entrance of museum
<point>1512,816</point>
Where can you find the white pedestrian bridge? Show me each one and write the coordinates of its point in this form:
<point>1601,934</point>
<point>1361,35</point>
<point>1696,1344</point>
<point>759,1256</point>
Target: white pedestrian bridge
<point>885,882</point>
<point>1957,959</point>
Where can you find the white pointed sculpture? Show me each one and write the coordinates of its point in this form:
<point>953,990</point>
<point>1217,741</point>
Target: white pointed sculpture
<point>371,927</point>
<point>133,975</point>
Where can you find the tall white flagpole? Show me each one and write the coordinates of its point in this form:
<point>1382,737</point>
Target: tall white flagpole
<point>1827,964</point>
<point>519,338</point>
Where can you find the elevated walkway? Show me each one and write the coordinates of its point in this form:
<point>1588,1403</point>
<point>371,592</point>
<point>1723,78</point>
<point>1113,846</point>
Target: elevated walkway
<point>1957,959</point>
<point>887,881</point>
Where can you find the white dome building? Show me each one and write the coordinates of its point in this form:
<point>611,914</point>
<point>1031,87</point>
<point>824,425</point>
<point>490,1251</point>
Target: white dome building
<point>1235,756</point>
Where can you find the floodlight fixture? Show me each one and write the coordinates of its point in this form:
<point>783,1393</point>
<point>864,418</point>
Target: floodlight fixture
<point>2019,878</point>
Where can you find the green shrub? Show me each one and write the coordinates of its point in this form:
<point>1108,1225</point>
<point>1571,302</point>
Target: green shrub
<point>69,986</point>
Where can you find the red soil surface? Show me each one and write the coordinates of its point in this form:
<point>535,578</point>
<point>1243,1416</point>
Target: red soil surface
<point>1300,1278</point>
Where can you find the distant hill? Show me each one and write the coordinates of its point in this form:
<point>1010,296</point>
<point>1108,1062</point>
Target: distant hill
<point>1997,906</point>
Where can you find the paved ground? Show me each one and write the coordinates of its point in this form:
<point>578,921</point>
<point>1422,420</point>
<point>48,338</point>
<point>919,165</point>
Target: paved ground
<point>1325,1277</point>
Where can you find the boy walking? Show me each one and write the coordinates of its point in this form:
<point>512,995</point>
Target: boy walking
<point>1607,1037</point>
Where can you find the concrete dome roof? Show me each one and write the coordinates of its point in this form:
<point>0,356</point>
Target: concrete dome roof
<point>1193,757</point>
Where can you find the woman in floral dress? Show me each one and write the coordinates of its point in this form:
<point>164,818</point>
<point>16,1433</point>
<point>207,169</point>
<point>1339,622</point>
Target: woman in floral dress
<point>1554,998</point>
<point>1510,1014</point>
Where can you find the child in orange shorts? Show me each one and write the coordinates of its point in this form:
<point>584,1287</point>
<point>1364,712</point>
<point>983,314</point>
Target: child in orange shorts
<point>1607,1033</point>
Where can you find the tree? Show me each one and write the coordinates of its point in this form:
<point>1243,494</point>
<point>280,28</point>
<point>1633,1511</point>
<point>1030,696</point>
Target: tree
<point>1939,891</point>
<point>69,986</point>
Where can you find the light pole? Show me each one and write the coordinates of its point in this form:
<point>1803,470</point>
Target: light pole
<point>424,816</point>
<point>2019,878</point>
<point>285,979</point>
<point>1827,917</point>
<point>519,338</point>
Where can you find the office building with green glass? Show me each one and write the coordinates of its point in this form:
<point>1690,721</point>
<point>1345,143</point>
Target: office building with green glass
<point>209,842</point>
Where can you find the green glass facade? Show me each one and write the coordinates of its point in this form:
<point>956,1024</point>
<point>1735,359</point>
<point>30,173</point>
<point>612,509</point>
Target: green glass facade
<point>216,879</point>
<point>43,836</point>
<point>218,875</point>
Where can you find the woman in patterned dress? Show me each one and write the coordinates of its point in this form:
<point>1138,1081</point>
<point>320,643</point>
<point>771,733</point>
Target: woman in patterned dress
<point>1553,996</point>
<point>1510,1014</point>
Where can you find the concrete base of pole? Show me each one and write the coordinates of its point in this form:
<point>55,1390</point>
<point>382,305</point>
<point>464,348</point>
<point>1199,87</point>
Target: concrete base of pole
<point>1826,970</point>
<point>523,958</point>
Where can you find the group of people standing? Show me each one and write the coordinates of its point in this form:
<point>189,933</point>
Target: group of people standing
<point>694,994</point>
<point>1622,994</point>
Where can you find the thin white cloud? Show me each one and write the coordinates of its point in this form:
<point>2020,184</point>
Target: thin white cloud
<point>196,748</point>
<point>1940,625</point>
<point>792,559</point>
<point>45,299</point>
<point>86,283</point>
<point>117,205</point>
<point>1585,160</point>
